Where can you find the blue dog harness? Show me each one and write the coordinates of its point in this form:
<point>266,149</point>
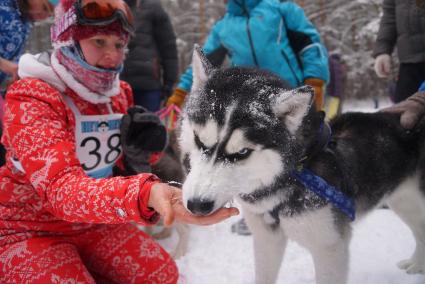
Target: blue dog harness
<point>318,185</point>
<point>330,193</point>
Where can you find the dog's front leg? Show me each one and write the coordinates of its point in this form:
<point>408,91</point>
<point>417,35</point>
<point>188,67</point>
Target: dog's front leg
<point>331,263</point>
<point>269,246</point>
<point>326,240</point>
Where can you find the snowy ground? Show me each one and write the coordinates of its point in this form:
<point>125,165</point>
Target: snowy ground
<point>217,256</point>
<point>381,240</point>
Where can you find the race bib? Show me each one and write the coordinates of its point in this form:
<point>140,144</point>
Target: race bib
<point>98,143</point>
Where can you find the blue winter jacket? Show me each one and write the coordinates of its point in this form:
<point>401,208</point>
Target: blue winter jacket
<point>14,31</point>
<point>257,32</point>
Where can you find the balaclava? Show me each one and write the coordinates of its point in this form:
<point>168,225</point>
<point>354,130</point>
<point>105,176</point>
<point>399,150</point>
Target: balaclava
<point>68,60</point>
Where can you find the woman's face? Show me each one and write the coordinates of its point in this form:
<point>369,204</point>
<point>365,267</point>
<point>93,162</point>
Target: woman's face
<point>39,9</point>
<point>104,51</point>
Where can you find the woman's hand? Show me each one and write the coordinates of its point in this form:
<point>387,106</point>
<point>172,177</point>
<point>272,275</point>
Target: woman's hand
<point>167,201</point>
<point>10,68</point>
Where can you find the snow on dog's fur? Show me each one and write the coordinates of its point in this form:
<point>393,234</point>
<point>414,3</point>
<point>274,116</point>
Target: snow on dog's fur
<point>244,135</point>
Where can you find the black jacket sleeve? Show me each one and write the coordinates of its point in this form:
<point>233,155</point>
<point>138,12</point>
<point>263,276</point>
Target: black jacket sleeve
<point>166,43</point>
<point>387,34</point>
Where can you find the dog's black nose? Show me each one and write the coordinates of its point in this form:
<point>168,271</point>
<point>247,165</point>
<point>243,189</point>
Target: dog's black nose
<point>200,206</point>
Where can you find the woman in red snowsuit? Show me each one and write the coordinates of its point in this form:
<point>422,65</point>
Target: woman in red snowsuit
<point>63,217</point>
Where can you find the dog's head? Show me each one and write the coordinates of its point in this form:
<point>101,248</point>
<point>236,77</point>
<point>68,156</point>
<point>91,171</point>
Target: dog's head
<point>241,130</point>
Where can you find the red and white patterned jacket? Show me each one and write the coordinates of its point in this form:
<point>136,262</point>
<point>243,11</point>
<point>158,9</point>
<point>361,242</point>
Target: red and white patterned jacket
<point>54,196</point>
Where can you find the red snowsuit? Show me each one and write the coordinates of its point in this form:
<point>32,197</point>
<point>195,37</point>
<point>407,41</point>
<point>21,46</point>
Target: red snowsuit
<point>57,223</point>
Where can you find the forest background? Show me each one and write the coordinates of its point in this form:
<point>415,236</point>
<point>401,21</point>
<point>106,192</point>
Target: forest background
<point>347,27</point>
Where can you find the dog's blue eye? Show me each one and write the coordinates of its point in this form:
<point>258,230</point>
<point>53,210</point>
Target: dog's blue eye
<point>240,155</point>
<point>244,151</point>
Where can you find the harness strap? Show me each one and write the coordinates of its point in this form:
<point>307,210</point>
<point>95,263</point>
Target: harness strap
<point>331,194</point>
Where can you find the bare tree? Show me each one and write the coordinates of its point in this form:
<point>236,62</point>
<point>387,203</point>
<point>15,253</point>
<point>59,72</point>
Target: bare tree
<point>39,39</point>
<point>348,27</point>
<point>192,21</point>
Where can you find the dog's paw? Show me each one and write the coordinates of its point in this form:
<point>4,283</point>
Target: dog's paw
<point>411,266</point>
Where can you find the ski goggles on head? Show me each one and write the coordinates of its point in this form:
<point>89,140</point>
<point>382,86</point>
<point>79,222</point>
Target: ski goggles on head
<point>94,13</point>
<point>104,12</point>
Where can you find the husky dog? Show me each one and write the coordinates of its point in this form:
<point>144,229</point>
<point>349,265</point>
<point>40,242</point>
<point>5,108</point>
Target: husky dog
<point>247,137</point>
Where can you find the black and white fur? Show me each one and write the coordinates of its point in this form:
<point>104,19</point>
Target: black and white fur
<point>244,132</point>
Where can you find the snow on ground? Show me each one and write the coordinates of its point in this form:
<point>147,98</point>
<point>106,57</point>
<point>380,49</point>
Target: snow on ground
<point>379,241</point>
<point>218,256</point>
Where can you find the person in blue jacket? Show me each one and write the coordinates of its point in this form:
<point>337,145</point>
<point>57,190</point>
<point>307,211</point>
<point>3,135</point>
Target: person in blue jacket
<point>268,34</point>
<point>15,26</point>
<point>16,17</point>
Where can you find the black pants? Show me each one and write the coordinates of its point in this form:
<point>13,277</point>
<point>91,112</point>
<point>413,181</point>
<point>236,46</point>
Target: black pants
<point>410,78</point>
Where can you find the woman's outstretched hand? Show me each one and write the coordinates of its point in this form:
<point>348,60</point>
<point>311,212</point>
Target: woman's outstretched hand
<point>167,201</point>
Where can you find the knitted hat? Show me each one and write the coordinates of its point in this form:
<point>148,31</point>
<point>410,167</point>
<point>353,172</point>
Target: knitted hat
<point>78,32</point>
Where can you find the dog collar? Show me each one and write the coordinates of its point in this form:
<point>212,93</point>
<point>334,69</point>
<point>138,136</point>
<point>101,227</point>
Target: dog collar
<point>331,194</point>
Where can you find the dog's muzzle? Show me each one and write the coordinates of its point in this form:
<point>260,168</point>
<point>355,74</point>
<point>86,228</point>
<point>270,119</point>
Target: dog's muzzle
<point>200,207</point>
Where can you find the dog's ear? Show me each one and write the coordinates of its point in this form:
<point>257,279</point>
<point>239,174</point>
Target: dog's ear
<point>201,68</point>
<point>292,106</point>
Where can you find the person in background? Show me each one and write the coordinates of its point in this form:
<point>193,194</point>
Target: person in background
<point>272,35</point>
<point>64,216</point>
<point>15,25</point>
<point>335,88</point>
<point>16,17</point>
<point>403,26</point>
<point>151,64</point>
